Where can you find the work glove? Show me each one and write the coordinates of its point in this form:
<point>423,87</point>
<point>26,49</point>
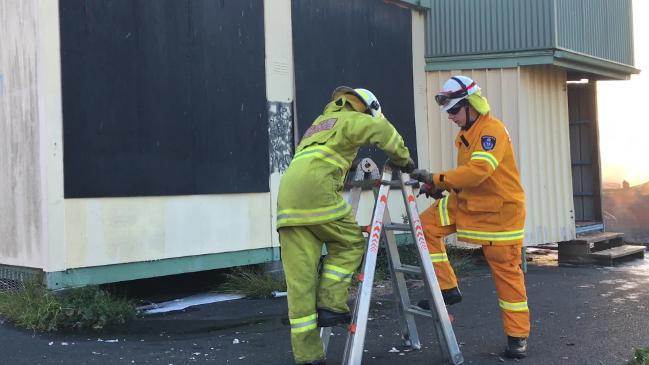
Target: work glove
<point>407,168</point>
<point>423,175</point>
<point>430,191</point>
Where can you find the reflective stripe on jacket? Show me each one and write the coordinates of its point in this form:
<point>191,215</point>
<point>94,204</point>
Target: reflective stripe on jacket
<point>491,200</point>
<point>310,191</point>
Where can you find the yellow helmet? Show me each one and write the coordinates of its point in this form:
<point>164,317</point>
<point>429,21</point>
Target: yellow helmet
<point>369,101</point>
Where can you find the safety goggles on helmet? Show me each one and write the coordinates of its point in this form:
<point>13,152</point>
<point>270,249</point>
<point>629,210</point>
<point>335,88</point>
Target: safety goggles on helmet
<point>444,98</point>
<point>454,90</point>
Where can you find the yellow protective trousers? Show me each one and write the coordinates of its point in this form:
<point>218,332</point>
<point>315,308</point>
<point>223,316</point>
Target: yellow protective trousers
<point>301,249</point>
<point>438,222</point>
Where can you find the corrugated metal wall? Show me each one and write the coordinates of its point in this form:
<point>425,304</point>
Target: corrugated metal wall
<point>602,28</point>
<point>532,103</point>
<point>457,27</point>
<point>544,153</point>
<point>598,28</point>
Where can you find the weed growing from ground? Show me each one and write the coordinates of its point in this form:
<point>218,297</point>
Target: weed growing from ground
<point>641,357</point>
<point>252,282</point>
<point>34,307</point>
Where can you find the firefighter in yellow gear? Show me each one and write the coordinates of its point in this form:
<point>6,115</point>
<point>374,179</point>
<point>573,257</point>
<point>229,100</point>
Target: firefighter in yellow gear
<point>311,210</point>
<point>486,206</point>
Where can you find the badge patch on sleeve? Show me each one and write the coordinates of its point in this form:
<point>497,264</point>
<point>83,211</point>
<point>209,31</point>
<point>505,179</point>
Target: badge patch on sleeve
<point>488,142</point>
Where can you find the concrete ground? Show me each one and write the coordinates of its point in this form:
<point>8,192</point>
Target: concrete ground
<point>580,315</point>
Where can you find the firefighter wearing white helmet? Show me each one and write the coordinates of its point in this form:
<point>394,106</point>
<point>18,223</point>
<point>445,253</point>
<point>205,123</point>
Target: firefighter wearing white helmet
<point>311,210</point>
<point>485,205</point>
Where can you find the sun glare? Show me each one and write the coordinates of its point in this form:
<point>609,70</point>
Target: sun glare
<point>623,120</point>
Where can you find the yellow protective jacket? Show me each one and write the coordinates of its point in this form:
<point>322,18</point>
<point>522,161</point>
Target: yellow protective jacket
<point>310,191</point>
<point>490,198</point>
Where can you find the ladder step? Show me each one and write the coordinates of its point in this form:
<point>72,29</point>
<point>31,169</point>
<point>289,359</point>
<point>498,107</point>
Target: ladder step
<point>397,227</point>
<point>408,269</point>
<point>413,309</point>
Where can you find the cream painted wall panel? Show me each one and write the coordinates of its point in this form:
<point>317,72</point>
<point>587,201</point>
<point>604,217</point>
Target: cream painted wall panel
<point>279,50</point>
<point>21,220</point>
<point>280,85</point>
<point>119,230</point>
<point>50,120</point>
<point>532,103</point>
<point>545,158</point>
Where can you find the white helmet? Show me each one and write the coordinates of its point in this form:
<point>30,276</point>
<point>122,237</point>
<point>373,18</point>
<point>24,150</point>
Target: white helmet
<point>366,96</point>
<point>455,89</point>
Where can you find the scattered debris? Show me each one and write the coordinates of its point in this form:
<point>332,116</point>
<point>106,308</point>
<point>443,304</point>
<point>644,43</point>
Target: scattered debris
<point>183,303</point>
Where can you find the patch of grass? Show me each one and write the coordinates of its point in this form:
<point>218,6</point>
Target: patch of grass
<point>252,282</point>
<point>641,357</point>
<point>34,307</point>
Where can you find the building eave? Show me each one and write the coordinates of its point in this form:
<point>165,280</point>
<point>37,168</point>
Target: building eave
<point>600,69</point>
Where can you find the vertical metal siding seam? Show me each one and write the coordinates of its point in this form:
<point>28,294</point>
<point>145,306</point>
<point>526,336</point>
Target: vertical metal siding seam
<point>539,170</point>
<point>567,168</point>
<point>560,202</point>
<point>540,106</point>
<point>533,162</point>
<point>534,22</point>
<point>555,129</point>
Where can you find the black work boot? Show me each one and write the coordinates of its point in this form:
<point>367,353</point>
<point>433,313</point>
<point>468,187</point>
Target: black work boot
<point>327,318</point>
<point>451,296</point>
<point>516,347</point>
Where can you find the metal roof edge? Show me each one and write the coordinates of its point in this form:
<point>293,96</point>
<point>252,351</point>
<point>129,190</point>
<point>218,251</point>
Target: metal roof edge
<point>570,60</point>
<point>490,60</point>
<point>422,5</point>
<point>581,62</point>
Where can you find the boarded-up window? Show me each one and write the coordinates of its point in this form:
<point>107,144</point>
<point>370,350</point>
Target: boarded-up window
<point>163,97</point>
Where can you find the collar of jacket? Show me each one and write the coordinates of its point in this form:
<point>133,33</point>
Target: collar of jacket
<point>464,136</point>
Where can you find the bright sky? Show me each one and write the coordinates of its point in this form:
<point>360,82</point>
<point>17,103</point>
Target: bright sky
<point>623,114</point>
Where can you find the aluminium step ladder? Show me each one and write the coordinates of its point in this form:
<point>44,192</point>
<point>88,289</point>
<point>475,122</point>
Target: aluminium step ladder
<point>382,228</point>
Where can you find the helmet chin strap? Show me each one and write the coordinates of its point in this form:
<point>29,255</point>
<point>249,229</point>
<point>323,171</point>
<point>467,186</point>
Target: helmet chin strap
<point>469,122</point>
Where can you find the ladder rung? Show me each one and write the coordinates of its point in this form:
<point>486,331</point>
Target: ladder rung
<point>392,183</point>
<point>367,184</point>
<point>418,311</point>
<point>397,227</point>
<point>408,269</point>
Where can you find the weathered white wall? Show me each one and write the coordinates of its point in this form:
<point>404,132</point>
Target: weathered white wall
<point>119,230</point>
<point>533,104</point>
<point>21,226</point>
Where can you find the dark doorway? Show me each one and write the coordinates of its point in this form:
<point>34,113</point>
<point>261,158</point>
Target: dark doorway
<point>584,154</point>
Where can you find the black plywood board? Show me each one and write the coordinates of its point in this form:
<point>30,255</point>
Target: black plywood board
<point>163,97</point>
<point>357,43</point>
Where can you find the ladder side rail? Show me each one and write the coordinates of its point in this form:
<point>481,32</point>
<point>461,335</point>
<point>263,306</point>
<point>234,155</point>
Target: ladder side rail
<point>409,333</point>
<point>353,354</point>
<point>446,336</point>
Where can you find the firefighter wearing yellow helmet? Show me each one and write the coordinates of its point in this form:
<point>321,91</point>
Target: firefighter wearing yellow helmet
<point>486,205</point>
<point>311,210</point>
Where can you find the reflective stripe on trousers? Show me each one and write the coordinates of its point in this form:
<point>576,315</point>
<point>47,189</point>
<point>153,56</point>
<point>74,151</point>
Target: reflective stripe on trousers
<point>336,273</point>
<point>303,324</point>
